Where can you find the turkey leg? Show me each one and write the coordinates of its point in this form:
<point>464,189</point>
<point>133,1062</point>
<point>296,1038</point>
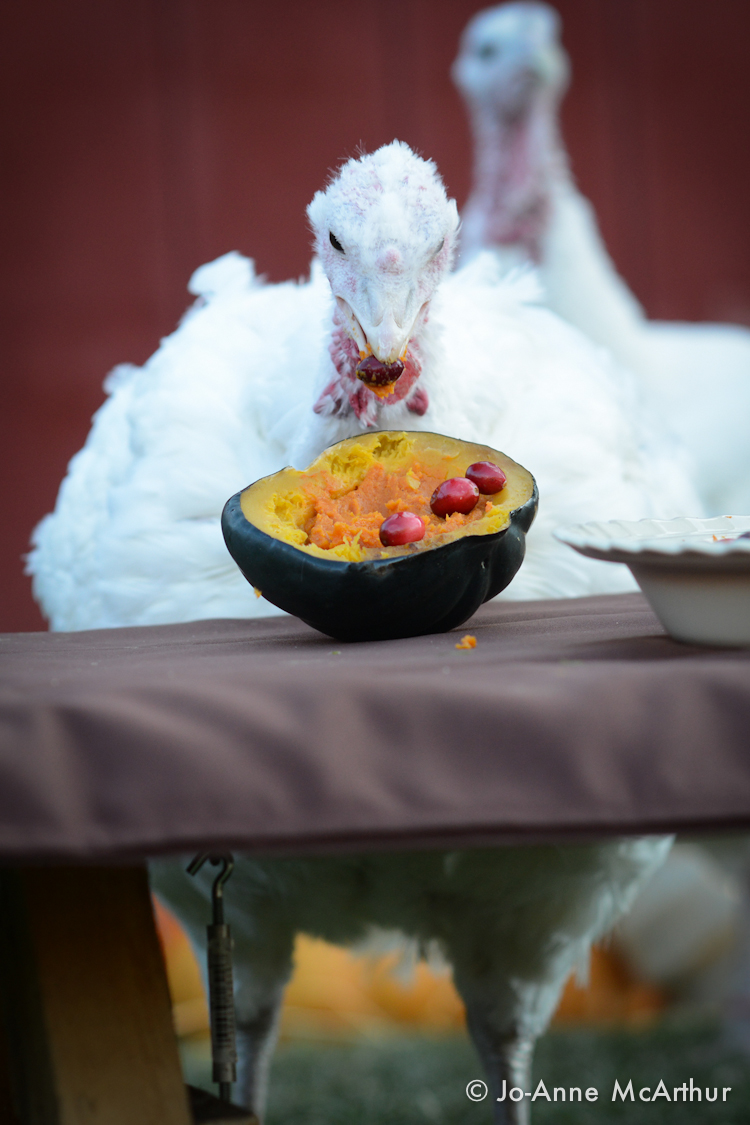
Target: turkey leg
<point>261,975</point>
<point>507,1064</point>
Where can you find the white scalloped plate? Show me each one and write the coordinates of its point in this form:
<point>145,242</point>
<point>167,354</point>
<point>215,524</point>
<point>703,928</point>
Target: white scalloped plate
<point>694,572</point>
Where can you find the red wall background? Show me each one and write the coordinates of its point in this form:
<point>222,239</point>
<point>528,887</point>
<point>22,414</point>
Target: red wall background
<point>143,137</point>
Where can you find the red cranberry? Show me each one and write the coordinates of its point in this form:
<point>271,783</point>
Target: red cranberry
<point>487,477</point>
<point>374,373</point>
<point>455,495</point>
<point>403,527</point>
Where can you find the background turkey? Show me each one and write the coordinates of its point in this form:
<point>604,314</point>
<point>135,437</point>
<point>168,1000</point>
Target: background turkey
<point>512,72</point>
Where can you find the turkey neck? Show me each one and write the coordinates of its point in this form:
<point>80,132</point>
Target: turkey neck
<point>516,161</point>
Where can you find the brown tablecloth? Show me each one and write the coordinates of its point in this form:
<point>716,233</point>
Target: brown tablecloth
<point>570,718</point>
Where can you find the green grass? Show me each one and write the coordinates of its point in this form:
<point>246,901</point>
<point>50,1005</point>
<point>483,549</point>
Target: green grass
<point>421,1081</point>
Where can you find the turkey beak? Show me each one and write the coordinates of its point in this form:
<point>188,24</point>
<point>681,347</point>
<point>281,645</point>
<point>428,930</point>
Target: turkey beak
<point>389,341</point>
<point>381,334</point>
<point>383,342</point>
<point>391,326</point>
<point>537,68</point>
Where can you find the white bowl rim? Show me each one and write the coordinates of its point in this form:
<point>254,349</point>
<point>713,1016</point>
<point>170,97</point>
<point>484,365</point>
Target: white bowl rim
<point>679,536</point>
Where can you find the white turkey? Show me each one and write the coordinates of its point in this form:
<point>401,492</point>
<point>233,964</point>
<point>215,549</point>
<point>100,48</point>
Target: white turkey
<point>512,73</point>
<point>256,376</point>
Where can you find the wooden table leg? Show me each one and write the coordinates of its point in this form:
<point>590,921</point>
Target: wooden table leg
<point>87,1013</point>
<point>7,1109</point>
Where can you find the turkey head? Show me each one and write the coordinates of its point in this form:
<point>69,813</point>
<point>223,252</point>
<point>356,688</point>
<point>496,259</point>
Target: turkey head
<point>385,233</point>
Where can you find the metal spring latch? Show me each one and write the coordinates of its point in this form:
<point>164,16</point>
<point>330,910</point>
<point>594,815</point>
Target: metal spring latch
<point>220,982</point>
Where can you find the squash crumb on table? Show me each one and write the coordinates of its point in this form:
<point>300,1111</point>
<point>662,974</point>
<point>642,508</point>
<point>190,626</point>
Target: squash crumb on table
<point>467,642</point>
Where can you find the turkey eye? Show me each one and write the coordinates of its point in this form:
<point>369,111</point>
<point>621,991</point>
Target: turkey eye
<point>335,243</point>
<point>487,51</point>
<point>439,248</point>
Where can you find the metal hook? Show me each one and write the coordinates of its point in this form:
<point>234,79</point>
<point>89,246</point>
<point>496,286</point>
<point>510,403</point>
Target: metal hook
<point>217,891</point>
<point>221,1000</point>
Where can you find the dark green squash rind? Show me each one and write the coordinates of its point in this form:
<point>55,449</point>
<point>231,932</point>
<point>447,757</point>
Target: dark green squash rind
<point>430,591</point>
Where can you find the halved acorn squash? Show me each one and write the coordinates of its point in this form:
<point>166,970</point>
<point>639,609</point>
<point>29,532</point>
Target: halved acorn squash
<point>308,540</point>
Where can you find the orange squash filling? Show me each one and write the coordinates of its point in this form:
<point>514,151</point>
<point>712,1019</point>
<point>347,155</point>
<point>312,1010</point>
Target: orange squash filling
<point>340,516</point>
